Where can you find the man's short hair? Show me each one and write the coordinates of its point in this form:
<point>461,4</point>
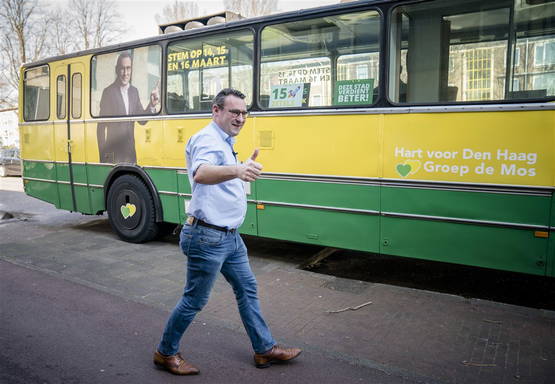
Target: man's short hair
<point>219,100</point>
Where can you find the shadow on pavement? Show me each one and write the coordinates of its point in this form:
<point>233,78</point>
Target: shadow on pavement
<point>471,282</point>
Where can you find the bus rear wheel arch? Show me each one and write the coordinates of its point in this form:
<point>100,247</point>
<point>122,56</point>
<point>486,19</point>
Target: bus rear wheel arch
<point>131,209</point>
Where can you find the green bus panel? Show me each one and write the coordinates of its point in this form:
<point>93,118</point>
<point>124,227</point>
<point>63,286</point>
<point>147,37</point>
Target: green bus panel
<point>98,173</point>
<point>97,199</point>
<point>322,227</point>
<point>482,246</point>
<point>355,196</point>
<point>62,172</point>
<point>79,173</point>
<point>183,182</point>
<point>66,202</point>
<point>502,207</point>
<point>170,208</point>
<point>82,199</point>
<point>163,179</point>
<point>42,190</point>
<point>39,170</point>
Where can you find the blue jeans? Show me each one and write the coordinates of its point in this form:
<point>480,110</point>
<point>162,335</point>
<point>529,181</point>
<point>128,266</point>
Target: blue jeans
<point>210,251</point>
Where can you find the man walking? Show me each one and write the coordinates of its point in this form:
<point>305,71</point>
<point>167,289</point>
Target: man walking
<point>210,239</point>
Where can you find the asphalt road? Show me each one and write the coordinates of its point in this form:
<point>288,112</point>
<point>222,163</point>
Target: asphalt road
<point>55,331</point>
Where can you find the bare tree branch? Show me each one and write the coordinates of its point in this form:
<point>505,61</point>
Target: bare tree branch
<point>178,10</point>
<point>251,8</point>
<point>63,39</point>
<point>23,37</point>
<point>96,22</point>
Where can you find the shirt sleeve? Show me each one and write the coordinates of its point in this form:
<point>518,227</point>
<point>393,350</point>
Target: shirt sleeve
<point>204,150</point>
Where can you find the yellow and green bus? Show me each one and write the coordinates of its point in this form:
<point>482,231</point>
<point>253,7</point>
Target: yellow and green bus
<point>421,129</point>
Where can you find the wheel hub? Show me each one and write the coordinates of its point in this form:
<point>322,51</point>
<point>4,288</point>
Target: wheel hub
<point>127,205</point>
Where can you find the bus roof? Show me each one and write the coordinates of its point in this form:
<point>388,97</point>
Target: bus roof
<point>213,28</point>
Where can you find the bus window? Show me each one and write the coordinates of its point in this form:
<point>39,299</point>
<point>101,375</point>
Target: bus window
<point>533,65</point>
<point>61,97</point>
<point>328,61</point>
<point>76,96</point>
<point>135,73</point>
<point>199,68</point>
<point>36,94</point>
<point>456,51</point>
<point>358,67</point>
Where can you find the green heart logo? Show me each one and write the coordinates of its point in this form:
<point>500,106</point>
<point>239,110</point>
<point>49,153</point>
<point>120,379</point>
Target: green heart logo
<point>124,211</point>
<point>403,169</point>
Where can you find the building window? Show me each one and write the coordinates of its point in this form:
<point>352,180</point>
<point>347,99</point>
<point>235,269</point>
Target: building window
<point>544,54</point>
<point>478,84</point>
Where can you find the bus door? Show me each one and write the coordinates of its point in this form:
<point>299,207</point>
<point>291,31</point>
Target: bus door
<point>70,138</point>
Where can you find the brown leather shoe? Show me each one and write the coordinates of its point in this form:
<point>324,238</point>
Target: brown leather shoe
<point>274,355</point>
<point>174,364</point>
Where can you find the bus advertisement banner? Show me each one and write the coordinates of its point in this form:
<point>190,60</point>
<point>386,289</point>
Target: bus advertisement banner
<point>420,148</point>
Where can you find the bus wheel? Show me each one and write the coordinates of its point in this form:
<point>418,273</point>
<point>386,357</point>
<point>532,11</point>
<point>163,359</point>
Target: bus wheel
<point>131,210</point>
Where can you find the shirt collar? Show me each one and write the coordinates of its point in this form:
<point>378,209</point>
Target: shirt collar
<point>225,137</point>
<point>124,87</point>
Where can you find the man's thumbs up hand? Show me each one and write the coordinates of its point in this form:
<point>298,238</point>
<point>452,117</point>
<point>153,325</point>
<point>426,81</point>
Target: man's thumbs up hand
<point>250,170</point>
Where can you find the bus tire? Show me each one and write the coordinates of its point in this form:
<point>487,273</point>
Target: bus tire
<point>131,210</point>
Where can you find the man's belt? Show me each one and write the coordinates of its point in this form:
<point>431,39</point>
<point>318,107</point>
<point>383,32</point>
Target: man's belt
<point>194,221</point>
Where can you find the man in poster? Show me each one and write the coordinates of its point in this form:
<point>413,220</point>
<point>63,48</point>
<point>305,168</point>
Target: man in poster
<point>116,140</point>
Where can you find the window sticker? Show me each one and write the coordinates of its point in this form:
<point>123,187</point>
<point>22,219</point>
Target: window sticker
<point>353,92</point>
<point>207,56</point>
<point>290,95</point>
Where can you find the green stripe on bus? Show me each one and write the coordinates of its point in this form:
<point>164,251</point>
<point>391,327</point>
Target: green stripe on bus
<point>512,208</point>
<point>164,179</point>
<point>489,247</point>
<point>42,190</point>
<point>326,228</point>
<point>39,170</point>
<point>98,173</point>
<point>318,193</point>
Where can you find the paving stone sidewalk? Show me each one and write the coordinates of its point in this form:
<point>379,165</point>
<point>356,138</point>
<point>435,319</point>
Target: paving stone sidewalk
<point>416,335</point>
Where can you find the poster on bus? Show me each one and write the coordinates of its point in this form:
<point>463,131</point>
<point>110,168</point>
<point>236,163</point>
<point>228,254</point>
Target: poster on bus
<point>353,92</point>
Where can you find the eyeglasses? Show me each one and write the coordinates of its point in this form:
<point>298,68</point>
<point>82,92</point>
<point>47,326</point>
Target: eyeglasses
<point>237,112</point>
